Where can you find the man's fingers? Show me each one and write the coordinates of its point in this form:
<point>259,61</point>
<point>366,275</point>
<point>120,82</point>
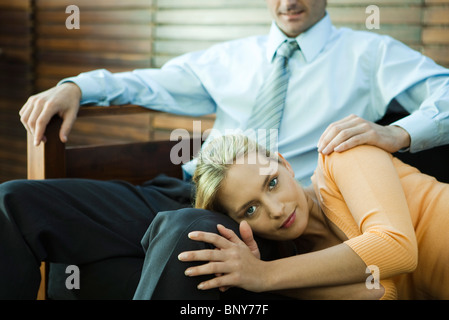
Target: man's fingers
<point>40,125</point>
<point>348,136</point>
<point>333,130</point>
<point>33,115</point>
<point>39,109</point>
<point>25,114</point>
<point>67,124</point>
<point>352,142</point>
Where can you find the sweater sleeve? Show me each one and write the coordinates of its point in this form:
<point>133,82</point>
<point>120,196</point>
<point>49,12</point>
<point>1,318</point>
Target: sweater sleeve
<point>390,290</point>
<point>361,193</point>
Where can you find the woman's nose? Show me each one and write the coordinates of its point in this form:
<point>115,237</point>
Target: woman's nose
<point>276,209</point>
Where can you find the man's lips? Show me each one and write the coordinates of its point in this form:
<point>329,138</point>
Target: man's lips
<point>289,221</point>
<point>292,13</point>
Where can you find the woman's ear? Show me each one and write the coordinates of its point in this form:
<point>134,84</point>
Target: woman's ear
<point>286,164</point>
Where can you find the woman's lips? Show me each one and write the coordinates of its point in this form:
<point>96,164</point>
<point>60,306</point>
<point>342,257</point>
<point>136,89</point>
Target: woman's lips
<point>291,218</point>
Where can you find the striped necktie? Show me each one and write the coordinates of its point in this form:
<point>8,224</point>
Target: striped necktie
<point>267,112</point>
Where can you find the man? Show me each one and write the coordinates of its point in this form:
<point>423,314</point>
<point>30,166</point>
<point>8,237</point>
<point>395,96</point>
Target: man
<point>335,75</point>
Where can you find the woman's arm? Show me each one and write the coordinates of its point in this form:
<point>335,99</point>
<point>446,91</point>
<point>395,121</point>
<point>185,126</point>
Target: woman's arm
<point>361,192</point>
<point>364,188</point>
<point>236,264</point>
<point>357,291</point>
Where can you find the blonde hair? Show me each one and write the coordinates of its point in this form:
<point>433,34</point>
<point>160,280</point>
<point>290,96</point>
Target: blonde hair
<point>215,160</point>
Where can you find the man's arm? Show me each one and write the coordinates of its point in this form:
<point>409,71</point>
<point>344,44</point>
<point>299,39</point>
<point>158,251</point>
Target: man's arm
<point>418,84</point>
<point>175,88</point>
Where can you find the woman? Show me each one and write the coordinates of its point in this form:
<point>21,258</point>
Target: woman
<point>365,210</point>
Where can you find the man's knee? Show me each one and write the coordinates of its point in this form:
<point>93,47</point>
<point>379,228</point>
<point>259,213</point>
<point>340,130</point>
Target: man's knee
<point>12,191</point>
<point>171,228</point>
<point>166,238</point>
<point>191,219</point>
<point>12,186</point>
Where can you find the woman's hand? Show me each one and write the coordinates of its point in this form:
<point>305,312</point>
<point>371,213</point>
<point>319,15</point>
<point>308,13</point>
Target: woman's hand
<point>234,262</point>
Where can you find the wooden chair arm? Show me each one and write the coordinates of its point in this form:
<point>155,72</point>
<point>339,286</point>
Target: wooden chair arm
<point>54,160</point>
<point>90,111</point>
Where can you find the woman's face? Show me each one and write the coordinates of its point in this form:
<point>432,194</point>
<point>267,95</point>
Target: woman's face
<point>273,204</point>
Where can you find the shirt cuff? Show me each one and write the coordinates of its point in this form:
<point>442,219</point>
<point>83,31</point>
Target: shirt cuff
<point>423,131</point>
<point>91,91</point>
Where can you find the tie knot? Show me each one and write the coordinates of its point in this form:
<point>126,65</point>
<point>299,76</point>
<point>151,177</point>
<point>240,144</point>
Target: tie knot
<point>287,48</point>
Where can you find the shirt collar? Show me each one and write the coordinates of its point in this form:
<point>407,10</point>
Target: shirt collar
<point>311,41</point>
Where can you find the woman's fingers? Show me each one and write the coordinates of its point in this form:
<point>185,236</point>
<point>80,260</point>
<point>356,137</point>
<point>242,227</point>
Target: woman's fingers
<point>201,255</point>
<point>213,268</point>
<point>228,234</point>
<point>217,240</point>
<point>223,283</point>
<point>248,238</point>
<point>208,254</point>
<point>232,262</point>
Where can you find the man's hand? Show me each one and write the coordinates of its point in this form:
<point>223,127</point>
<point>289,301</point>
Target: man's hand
<point>353,131</point>
<point>36,113</point>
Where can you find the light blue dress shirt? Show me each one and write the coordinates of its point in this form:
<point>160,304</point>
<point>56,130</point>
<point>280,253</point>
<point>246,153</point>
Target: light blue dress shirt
<point>338,72</point>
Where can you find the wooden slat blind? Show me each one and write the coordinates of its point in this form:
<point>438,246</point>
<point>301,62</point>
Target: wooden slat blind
<point>183,26</point>
<point>114,35</point>
<point>400,19</point>
<point>15,84</point>
<point>435,35</point>
<point>189,25</point>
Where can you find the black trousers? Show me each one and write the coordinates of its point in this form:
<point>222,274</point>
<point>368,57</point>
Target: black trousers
<point>80,222</point>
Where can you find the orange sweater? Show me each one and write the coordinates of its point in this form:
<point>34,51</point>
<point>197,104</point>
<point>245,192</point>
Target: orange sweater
<point>394,217</point>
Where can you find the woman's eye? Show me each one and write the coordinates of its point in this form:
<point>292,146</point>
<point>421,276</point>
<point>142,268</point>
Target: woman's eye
<point>250,211</point>
<point>273,183</point>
